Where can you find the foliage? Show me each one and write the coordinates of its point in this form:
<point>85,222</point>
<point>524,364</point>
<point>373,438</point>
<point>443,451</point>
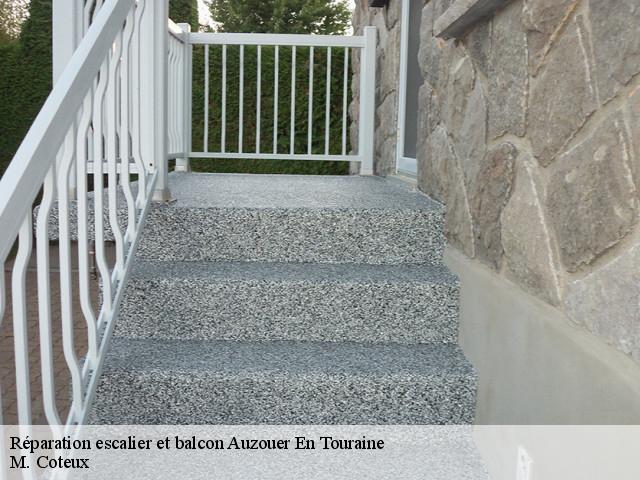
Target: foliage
<point>274,16</point>
<point>25,78</point>
<point>282,16</point>
<point>12,14</point>
<point>184,11</point>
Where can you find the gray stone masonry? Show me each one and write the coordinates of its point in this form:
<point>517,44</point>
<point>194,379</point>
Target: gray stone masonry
<point>529,133</point>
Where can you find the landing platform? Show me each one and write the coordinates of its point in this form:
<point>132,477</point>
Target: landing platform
<point>202,190</point>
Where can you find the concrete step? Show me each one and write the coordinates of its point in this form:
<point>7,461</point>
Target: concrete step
<point>288,301</point>
<point>219,382</point>
<point>275,218</point>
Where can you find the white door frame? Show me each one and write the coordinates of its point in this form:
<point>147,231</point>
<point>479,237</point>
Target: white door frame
<point>404,165</point>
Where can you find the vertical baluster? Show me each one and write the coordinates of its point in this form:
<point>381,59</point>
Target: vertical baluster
<point>171,95</point>
<point>99,153</point>
<point>83,233</point>
<point>293,101</point>
<point>206,98</point>
<point>241,101</point>
<point>136,113</point>
<point>20,333</point>
<point>180,97</point>
<point>3,447</point>
<point>176,96</point>
<point>86,15</point>
<point>44,299</point>
<point>310,118</point>
<point>66,295</point>
<point>259,98</point>
<point>112,154</point>
<point>223,140</point>
<point>345,97</point>
<point>275,100</point>
<point>125,128</point>
<point>3,307</point>
<point>328,104</point>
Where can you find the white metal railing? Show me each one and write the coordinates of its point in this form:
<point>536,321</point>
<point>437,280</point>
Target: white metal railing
<point>91,123</point>
<point>96,156</point>
<point>179,94</point>
<point>318,49</point>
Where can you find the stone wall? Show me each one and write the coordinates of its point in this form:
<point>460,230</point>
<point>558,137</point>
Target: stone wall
<point>529,132</point>
<point>387,21</point>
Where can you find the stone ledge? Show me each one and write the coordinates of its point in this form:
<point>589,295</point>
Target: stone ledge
<point>462,14</point>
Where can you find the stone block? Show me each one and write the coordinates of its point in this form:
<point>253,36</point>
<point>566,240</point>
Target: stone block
<point>458,221</point>
<point>436,162</point>
<point>508,74</point>
<point>488,194</point>
<point>616,44</point>
<point>478,44</point>
<point>541,19</point>
<point>563,96</point>
<point>530,257</point>
<point>470,139</point>
<point>592,201</point>
<point>633,124</point>
<point>607,302</point>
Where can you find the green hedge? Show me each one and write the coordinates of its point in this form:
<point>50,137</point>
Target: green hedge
<point>25,78</point>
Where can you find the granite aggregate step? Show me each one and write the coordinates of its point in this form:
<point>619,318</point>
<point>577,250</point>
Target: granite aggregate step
<point>230,382</point>
<point>288,301</point>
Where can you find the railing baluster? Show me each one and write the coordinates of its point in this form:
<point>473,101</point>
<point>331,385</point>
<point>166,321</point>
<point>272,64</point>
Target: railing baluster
<point>44,300</point>
<point>112,154</point>
<point>20,333</point>
<point>3,308</point>
<point>223,140</point>
<point>328,104</point>
<point>206,98</point>
<point>293,101</point>
<point>275,99</point>
<point>83,233</point>
<point>241,101</point>
<point>125,128</point>
<point>259,98</point>
<point>310,118</point>
<point>345,97</point>
<point>136,99</point>
<point>99,153</point>
<point>66,295</point>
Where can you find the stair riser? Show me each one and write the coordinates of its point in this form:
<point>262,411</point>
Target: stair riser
<point>159,398</point>
<point>274,235</point>
<point>262,310</point>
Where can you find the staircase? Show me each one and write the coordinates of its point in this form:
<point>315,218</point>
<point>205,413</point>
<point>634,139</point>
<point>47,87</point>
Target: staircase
<point>288,300</point>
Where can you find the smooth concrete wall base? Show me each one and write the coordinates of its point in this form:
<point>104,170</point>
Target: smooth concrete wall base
<point>534,366</point>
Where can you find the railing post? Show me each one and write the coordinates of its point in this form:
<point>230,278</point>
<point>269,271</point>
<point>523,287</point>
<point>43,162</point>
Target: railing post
<point>67,31</point>
<point>366,133</point>
<point>153,73</point>
<point>182,164</point>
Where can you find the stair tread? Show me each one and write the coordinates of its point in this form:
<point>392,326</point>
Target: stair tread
<point>290,357</point>
<point>204,190</point>
<point>230,271</point>
<point>231,382</point>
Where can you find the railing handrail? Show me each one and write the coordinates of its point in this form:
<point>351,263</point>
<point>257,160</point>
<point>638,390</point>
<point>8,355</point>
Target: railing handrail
<point>277,39</point>
<point>26,172</point>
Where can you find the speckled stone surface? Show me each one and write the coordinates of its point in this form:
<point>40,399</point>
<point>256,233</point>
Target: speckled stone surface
<point>122,215</point>
<point>288,301</point>
<point>218,382</point>
<point>295,219</point>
